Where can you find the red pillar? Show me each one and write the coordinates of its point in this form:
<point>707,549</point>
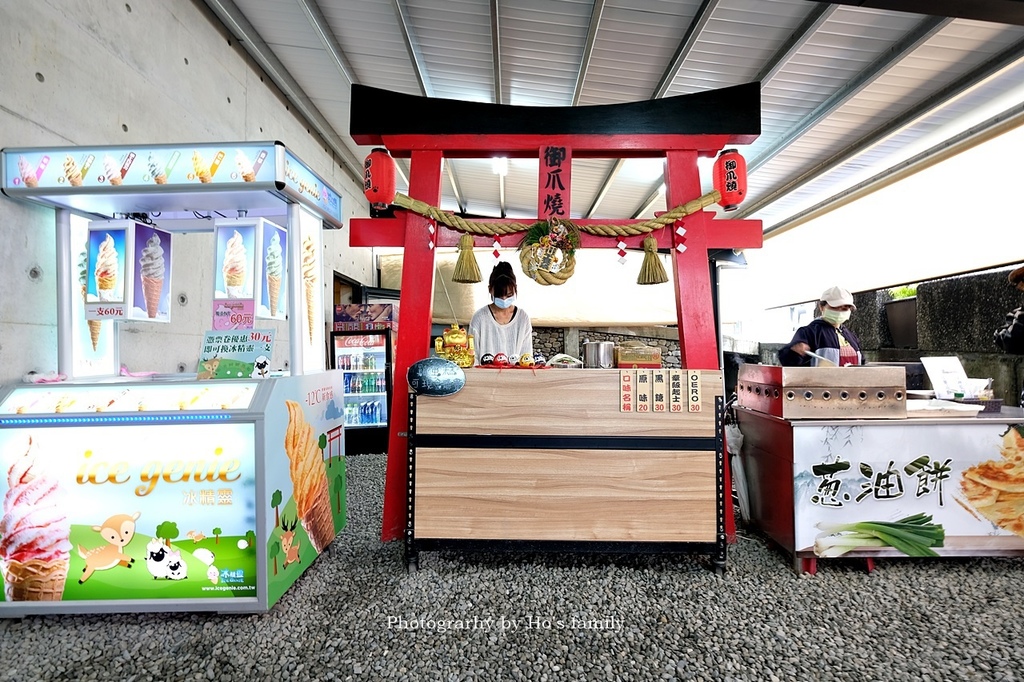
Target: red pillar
<point>698,340</point>
<point>698,337</point>
<point>413,332</point>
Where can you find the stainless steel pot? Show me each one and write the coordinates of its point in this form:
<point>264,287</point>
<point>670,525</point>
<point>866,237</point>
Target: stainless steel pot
<point>598,354</point>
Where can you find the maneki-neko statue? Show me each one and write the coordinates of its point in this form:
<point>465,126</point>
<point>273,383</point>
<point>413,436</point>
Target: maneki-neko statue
<point>455,344</point>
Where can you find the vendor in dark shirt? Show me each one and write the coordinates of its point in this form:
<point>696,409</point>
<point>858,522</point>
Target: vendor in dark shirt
<point>826,335</point>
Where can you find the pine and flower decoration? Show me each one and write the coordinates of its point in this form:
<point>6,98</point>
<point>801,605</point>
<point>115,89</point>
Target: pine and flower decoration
<point>547,252</point>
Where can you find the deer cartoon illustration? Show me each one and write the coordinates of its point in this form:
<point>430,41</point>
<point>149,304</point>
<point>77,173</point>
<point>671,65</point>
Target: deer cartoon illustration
<point>118,531</point>
<point>195,535</point>
<point>288,542</point>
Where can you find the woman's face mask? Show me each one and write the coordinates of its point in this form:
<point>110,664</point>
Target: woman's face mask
<point>504,303</point>
<point>835,317</point>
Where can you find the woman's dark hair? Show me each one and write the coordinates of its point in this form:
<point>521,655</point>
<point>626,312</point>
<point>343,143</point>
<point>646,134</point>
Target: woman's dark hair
<point>503,280</point>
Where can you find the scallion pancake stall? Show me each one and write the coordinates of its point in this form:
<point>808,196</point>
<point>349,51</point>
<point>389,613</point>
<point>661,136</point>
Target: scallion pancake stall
<point>838,463</point>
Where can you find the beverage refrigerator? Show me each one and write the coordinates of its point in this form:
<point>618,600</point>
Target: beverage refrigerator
<point>365,357</point>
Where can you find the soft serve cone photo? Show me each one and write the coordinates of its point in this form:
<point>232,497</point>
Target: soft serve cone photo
<point>274,289</point>
<point>34,580</point>
<point>152,289</point>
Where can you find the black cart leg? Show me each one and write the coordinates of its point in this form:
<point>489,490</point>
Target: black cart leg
<point>412,555</point>
<point>718,560</point>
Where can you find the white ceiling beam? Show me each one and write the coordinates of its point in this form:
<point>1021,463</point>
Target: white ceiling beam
<point>246,34</point>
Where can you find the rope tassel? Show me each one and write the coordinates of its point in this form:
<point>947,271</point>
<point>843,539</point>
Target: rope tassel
<point>651,271</point>
<point>466,269</point>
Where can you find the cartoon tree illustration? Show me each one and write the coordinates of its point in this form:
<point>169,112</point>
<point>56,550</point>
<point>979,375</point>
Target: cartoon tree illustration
<point>275,502</point>
<point>217,532</point>
<point>322,442</point>
<point>339,486</point>
<point>275,549</point>
<point>167,531</point>
<point>250,537</point>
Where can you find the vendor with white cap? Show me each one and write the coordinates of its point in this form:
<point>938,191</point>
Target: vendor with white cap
<point>826,336</point>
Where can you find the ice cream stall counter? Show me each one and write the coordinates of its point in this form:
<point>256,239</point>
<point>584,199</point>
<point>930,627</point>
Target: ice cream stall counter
<point>167,495</point>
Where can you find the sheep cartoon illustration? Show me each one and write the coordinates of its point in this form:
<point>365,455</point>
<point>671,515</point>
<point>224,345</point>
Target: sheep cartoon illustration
<point>177,569</point>
<point>156,558</point>
<point>207,557</point>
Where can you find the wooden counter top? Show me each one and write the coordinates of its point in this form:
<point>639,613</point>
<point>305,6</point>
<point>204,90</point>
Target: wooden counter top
<point>557,402</point>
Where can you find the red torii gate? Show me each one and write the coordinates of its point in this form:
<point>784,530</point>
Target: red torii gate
<point>427,130</point>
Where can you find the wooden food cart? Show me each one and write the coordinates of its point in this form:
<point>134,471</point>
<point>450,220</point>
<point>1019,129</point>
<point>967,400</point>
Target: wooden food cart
<point>555,445</point>
<point>547,459</point>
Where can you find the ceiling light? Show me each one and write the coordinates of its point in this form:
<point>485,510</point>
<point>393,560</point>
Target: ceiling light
<point>499,165</point>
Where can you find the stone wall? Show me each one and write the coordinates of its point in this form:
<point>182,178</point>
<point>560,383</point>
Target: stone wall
<point>553,340</point>
<point>548,341</point>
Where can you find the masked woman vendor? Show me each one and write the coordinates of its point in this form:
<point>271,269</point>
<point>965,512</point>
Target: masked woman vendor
<point>501,326</point>
<point>827,335</point>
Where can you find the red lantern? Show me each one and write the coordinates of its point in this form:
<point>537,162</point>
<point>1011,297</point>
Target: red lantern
<point>379,177</point>
<point>730,178</point>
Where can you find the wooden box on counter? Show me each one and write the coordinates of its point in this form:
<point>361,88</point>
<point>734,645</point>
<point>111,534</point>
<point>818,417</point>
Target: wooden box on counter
<point>824,392</point>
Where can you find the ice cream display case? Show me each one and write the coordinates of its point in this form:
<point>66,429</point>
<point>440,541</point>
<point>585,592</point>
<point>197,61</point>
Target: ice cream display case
<point>167,495</point>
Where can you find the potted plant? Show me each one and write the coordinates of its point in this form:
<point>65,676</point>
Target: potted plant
<point>901,314</point>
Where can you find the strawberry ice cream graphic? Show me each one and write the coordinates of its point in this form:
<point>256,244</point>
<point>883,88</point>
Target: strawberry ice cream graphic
<point>34,530</point>
<point>27,172</point>
<point>234,266</point>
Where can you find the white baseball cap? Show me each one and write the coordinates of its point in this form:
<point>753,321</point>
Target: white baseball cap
<point>837,296</point>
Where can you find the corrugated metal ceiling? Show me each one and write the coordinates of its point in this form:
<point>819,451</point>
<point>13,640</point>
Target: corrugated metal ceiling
<point>848,92</point>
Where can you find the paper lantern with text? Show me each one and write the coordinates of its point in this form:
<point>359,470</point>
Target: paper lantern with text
<point>730,178</point>
<point>379,177</point>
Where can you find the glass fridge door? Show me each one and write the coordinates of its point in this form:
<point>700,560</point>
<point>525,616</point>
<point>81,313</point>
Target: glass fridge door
<point>365,359</point>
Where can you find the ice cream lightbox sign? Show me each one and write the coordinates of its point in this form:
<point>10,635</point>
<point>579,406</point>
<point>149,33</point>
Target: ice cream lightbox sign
<point>125,272</point>
<point>127,512</point>
<point>250,275</point>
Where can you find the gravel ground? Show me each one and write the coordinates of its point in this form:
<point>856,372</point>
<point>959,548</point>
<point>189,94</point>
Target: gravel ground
<point>358,615</point>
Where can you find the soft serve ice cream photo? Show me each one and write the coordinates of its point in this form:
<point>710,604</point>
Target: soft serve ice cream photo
<point>107,270</point>
<point>235,265</point>
<point>152,269</point>
<point>83,286</point>
<point>34,530</point>
<point>274,266</point>
<point>244,165</point>
<point>27,172</point>
<point>155,166</point>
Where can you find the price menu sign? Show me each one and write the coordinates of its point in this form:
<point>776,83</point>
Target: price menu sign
<point>661,391</point>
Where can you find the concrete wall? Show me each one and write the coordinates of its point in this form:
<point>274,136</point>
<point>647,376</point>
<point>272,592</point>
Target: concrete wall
<point>94,72</point>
